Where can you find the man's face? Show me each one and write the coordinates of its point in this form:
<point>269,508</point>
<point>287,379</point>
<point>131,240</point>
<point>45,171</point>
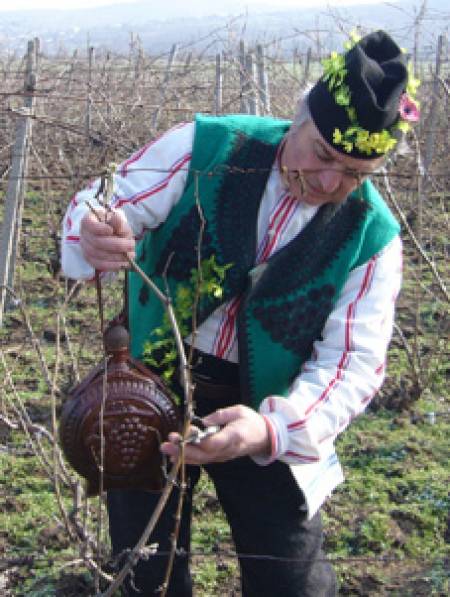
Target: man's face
<point>324,174</point>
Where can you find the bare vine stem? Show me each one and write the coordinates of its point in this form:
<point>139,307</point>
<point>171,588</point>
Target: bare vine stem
<point>409,354</point>
<point>136,552</point>
<point>182,471</point>
<point>414,239</point>
<point>189,405</point>
<point>25,422</point>
<point>34,340</point>
<point>56,451</point>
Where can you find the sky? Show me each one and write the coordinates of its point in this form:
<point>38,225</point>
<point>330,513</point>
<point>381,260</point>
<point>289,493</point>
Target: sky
<point>66,4</point>
<point>69,4</point>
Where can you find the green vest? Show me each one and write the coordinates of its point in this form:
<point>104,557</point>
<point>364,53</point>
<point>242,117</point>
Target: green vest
<point>285,301</point>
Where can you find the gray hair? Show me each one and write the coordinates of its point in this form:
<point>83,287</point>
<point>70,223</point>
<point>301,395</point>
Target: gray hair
<point>302,113</point>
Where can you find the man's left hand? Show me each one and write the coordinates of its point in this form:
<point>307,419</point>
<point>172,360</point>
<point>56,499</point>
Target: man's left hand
<point>244,433</point>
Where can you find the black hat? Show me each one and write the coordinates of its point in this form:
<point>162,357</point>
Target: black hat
<point>355,105</point>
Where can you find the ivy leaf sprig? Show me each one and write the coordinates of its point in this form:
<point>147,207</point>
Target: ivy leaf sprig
<point>355,136</point>
<point>206,283</point>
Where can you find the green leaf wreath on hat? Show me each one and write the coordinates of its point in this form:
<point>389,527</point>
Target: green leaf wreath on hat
<point>355,137</point>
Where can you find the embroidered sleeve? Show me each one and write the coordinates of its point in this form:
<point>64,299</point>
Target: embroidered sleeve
<point>147,186</point>
<point>347,365</point>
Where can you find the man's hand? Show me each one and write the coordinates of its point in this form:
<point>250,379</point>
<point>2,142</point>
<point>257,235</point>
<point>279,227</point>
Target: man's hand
<point>244,433</point>
<point>104,244</point>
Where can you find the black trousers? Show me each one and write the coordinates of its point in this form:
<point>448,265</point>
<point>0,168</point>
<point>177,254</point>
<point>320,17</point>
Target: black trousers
<point>265,509</point>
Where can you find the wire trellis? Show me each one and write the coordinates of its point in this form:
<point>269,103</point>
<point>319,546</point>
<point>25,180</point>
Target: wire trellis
<point>121,110</point>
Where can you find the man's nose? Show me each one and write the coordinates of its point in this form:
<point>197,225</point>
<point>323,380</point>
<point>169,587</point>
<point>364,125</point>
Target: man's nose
<point>330,180</point>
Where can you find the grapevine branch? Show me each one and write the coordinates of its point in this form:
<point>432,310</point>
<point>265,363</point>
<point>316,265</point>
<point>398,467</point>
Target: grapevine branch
<point>107,185</point>
<point>391,196</point>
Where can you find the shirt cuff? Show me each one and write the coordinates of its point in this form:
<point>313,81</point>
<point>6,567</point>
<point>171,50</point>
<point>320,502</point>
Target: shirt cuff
<point>277,429</point>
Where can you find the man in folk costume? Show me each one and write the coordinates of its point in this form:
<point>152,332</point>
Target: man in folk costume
<point>294,346</point>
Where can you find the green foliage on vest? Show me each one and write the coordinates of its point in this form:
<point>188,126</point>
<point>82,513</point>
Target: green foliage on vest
<point>205,282</point>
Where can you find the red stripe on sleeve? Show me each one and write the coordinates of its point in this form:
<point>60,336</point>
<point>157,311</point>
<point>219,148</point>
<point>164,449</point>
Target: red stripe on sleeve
<point>137,156</point>
<point>345,358</point>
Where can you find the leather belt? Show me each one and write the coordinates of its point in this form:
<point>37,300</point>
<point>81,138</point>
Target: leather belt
<point>216,381</point>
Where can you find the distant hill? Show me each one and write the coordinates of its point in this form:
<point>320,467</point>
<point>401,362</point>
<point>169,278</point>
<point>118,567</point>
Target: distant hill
<point>188,22</point>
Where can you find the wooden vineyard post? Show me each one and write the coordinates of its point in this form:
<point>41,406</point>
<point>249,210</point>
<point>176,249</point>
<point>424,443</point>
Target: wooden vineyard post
<point>247,80</point>
<point>218,94</point>
<point>16,182</point>
<point>89,91</point>
<point>187,63</point>
<point>250,68</point>
<point>138,63</point>
<point>307,66</point>
<point>429,145</point>
<point>243,78</point>
<point>167,74</point>
<point>417,25</point>
<point>263,81</point>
